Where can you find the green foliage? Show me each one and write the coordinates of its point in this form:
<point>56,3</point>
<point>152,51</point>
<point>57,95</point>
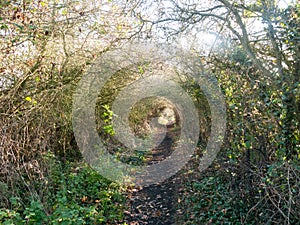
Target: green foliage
<point>261,150</point>
<point>255,146</point>
<point>218,198</point>
<point>34,213</point>
<point>73,194</point>
<point>210,201</point>
<point>9,217</point>
<point>107,116</point>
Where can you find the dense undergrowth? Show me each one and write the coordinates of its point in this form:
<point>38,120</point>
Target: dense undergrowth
<point>219,196</point>
<point>69,193</point>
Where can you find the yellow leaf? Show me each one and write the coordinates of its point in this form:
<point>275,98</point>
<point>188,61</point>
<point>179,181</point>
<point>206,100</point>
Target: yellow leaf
<point>64,12</point>
<point>119,27</point>
<point>44,4</point>
<point>28,99</point>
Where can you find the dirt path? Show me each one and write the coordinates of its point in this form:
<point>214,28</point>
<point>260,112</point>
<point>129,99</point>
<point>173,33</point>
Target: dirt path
<point>156,204</point>
<point>153,205</point>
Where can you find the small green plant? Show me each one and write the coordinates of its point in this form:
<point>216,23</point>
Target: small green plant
<point>35,213</point>
<point>9,216</point>
<point>107,118</point>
